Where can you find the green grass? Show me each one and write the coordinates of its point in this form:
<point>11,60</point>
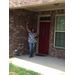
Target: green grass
<point>14,70</point>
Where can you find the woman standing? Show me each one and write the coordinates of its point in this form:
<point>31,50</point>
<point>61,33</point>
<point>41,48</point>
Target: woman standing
<point>31,39</point>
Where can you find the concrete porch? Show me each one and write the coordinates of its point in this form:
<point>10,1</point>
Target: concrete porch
<point>45,65</point>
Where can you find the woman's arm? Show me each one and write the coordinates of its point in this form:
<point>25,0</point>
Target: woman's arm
<point>27,26</point>
<point>36,36</point>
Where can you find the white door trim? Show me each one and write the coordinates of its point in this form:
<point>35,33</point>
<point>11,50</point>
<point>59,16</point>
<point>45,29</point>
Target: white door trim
<point>37,44</point>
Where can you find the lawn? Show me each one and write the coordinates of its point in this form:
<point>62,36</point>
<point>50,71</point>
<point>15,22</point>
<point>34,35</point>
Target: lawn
<point>14,70</point>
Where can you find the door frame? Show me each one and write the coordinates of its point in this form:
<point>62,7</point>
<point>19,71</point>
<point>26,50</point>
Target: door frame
<point>37,44</point>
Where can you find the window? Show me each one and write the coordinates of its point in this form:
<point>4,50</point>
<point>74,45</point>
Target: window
<point>44,18</point>
<point>60,31</point>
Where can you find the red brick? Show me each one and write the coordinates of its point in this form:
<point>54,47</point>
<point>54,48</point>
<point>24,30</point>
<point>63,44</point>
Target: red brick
<point>17,31</point>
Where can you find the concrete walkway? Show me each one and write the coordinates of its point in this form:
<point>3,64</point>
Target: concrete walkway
<point>45,65</point>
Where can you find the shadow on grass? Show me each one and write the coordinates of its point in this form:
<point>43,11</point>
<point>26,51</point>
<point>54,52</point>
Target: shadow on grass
<point>15,70</point>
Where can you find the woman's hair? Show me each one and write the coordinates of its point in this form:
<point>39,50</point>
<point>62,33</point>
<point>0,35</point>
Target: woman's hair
<point>32,28</point>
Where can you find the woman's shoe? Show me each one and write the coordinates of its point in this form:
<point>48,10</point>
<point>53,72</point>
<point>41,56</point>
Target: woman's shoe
<point>29,56</point>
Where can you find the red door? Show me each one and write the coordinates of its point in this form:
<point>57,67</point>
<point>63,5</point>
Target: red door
<point>44,30</point>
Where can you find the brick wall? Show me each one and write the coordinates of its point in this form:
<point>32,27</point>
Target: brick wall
<point>54,52</point>
<point>17,31</point>
<point>19,3</point>
<point>18,34</point>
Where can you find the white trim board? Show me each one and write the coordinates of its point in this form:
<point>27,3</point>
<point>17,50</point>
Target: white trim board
<point>40,10</point>
<point>49,9</point>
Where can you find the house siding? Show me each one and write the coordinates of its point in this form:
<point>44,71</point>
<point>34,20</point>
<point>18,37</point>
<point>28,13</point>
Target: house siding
<point>18,34</point>
<point>19,3</point>
<point>54,52</point>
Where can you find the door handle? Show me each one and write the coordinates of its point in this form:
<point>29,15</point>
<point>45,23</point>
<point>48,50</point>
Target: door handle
<point>44,32</point>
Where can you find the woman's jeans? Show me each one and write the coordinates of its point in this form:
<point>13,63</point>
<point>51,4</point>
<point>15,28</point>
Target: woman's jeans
<point>31,46</point>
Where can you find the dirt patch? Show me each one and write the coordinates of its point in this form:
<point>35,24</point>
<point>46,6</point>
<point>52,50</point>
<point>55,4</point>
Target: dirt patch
<point>11,73</point>
<point>41,74</point>
<point>62,73</point>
